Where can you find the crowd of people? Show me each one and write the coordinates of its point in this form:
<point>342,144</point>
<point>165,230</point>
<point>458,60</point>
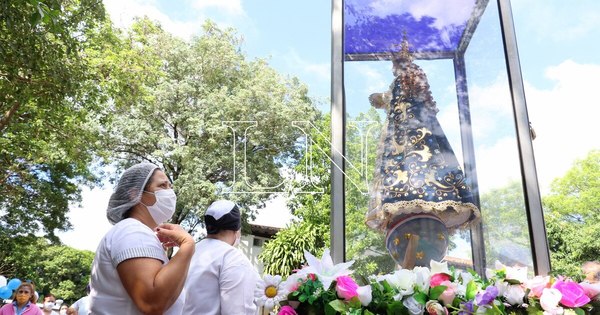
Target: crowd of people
<point>25,302</point>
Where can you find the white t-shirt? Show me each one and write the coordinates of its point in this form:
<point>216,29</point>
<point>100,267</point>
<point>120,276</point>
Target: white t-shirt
<point>127,239</point>
<point>220,280</point>
<point>82,305</point>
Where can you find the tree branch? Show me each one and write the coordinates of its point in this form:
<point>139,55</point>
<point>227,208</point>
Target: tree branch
<point>8,115</point>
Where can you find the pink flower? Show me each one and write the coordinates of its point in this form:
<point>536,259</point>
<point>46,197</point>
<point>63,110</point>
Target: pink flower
<point>537,285</point>
<point>448,295</point>
<point>346,288</point>
<point>592,290</point>
<point>435,308</point>
<point>573,294</point>
<point>438,278</point>
<point>287,310</point>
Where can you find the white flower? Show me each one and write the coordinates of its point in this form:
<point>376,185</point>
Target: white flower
<point>549,301</point>
<point>422,278</point>
<point>403,280</point>
<point>513,273</point>
<point>439,267</point>
<point>324,269</point>
<point>269,291</point>
<point>414,308</point>
<point>365,294</point>
<point>514,294</point>
<point>466,277</point>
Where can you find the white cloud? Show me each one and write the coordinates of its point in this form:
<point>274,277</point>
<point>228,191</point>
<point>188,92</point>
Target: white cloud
<point>565,117</point>
<point>89,221</point>
<point>233,7</point>
<point>123,13</point>
<point>559,21</point>
<point>446,12</point>
<point>497,164</point>
<point>275,213</point>
<point>373,79</point>
<point>297,64</point>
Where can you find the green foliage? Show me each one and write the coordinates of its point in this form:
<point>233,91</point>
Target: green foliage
<point>60,270</point>
<point>285,252</point>
<point>193,104</point>
<point>572,214</point>
<point>46,105</point>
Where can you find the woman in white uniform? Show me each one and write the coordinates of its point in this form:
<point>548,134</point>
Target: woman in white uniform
<point>131,273</point>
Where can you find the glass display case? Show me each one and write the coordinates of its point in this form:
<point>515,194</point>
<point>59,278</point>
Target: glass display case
<point>431,138</point>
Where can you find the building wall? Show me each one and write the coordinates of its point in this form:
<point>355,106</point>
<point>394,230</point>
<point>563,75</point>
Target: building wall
<point>252,246</point>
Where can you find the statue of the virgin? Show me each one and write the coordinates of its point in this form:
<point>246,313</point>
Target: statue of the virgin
<point>419,190</point>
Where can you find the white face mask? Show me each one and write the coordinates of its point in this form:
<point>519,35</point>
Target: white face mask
<point>63,312</point>
<point>48,306</point>
<point>164,207</point>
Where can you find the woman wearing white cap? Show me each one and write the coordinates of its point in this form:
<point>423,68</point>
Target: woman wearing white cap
<point>131,273</point>
<point>221,280</point>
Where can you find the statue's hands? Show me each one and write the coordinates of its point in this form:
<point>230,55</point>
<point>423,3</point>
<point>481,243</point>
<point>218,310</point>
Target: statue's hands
<point>376,100</point>
<point>380,100</point>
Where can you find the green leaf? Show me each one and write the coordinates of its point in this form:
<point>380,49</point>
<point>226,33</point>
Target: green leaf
<point>421,298</point>
<point>512,281</point>
<point>35,19</point>
<point>329,310</point>
<point>339,306</point>
<point>354,303</point>
<point>579,311</point>
<point>435,292</point>
<point>471,290</point>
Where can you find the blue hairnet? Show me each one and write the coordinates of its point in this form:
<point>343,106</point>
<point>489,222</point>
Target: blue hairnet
<point>129,190</point>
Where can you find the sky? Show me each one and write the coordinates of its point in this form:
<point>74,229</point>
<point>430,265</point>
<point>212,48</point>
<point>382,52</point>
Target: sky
<point>558,48</point>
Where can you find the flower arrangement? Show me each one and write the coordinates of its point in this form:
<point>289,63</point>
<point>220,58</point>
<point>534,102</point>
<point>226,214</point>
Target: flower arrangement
<point>324,288</point>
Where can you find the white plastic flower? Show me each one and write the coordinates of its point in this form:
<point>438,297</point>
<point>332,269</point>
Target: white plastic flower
<point>513,273</point>
<point>439,267</point>
<point>514,294</point>
<point>324,269</point>
<point>365,294</point>
<point>423,275</point>
<point>269,291</point>
<point>549,301</point>
<point>404,281</point>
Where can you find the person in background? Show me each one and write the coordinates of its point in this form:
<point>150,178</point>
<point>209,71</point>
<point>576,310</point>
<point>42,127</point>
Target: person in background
<point>221,280</point>
<point>23,302</point>
<point>131,273</point>
<point>80,307</point>
<point>591,270</point>
<point>49,304</point>
<point>63,309</point>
